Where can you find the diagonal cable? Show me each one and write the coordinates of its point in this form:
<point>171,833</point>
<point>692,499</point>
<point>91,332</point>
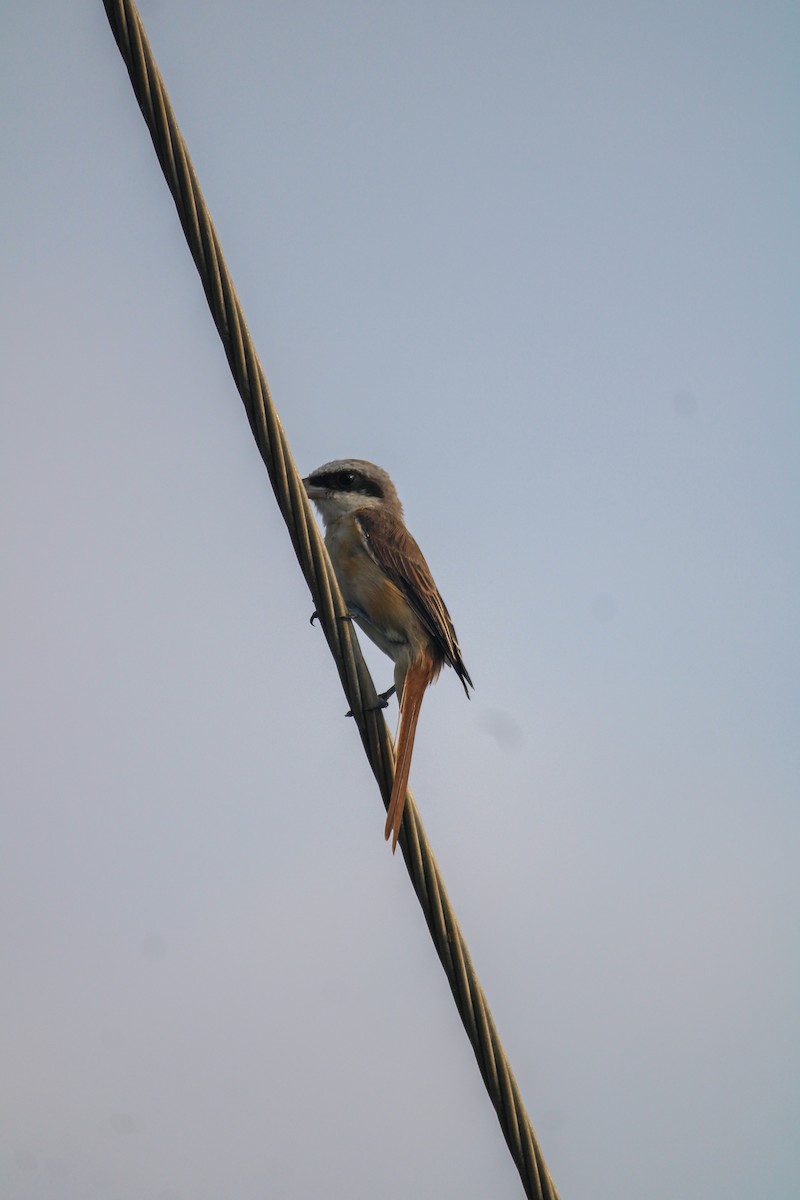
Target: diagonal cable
<point>271,440</point>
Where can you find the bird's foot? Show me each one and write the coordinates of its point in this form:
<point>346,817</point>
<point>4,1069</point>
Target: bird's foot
<point>383,702</point>
<point>341,617</point>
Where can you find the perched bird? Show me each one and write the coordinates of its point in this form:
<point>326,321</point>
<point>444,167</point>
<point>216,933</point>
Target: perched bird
<point>389,592</point>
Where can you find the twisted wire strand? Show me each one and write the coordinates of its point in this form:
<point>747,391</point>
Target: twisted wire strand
<point>313,558</point>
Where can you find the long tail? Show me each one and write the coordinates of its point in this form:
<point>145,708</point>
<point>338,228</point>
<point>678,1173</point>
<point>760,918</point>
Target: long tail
<point>417,678</point>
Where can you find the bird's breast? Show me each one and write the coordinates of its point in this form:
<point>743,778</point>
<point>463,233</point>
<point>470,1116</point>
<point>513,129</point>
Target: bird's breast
<point>377,604</point>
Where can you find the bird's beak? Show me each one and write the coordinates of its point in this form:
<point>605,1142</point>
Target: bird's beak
<point>312,491</point>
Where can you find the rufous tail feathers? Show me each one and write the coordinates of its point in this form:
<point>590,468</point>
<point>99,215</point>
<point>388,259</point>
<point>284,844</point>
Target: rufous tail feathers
<point>418,676</point>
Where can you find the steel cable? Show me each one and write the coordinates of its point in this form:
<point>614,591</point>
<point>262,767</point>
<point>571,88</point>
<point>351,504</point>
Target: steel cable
<point>271,440</point>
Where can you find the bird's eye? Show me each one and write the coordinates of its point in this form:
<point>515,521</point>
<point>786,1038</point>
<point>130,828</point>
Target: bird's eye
<point>348,478</point>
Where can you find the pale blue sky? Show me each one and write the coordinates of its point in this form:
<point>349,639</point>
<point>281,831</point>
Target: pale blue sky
<point>540,261</point>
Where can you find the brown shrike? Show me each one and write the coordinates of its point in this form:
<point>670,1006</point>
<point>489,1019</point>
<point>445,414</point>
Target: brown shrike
<point>389,592</point>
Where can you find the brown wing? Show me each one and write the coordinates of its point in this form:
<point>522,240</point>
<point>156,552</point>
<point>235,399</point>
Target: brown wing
<point>396,552</point>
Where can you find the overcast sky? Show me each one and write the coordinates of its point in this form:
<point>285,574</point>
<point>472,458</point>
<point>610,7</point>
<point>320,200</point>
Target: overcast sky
<point>540,261</point>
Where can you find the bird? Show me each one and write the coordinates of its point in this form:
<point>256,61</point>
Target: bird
<point>389,592</point>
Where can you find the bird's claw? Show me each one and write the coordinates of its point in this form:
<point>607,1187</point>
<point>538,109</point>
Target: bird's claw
<point>383,702</point>
<point>340,617</point>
